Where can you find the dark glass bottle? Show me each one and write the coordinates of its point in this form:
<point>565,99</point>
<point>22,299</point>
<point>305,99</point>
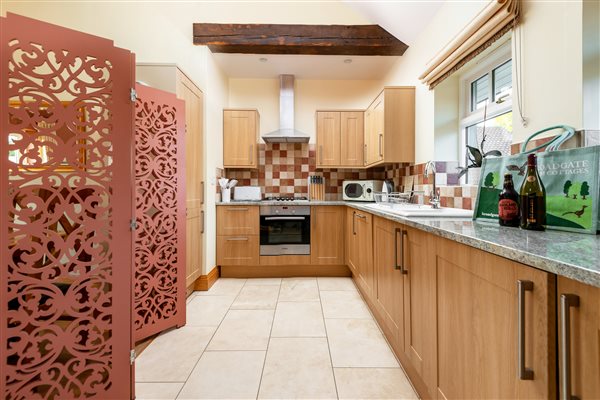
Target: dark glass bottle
<point>533,198</point>
<point>508,204</point>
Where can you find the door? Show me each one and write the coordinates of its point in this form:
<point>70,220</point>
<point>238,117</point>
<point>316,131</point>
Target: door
<point>579,318</point>
<point>67,185</point>
<point>387,240</point>
<point>374,136</point>
<point>327,235</point>
<point>352,138</point>
<point>239,138</point>
<point>364,251</point>
<point>160,243</point>
<point>504,353</point>
<point>328,139</point>
<point>351,250</point>
<point>194,175</point>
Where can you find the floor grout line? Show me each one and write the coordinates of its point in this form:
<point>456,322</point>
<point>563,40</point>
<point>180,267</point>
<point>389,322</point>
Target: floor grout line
<point>337,395</point>
<point>268,343</point>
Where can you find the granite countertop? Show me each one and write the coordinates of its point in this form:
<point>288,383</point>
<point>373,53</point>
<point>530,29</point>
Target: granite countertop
<point>572,255</point>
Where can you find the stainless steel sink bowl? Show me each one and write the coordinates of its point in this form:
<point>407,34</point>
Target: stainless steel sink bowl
<point>417,210</point>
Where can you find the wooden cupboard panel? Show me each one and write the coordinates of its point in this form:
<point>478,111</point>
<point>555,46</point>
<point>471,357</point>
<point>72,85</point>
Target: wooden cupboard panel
<point>238,250</point>
<point>240,130</point>
<point>374,134</point>
<point>193,249</point>
<point>364,250</point>
<point>387,237</point>
<point>584,342</point>
<point>399,124</point>
<point>351,249</point>
<point>327,235</point>
<point>352,138</point>
<point>477,305</point>
<point>328,138</point>
<point>238,220</point>
<point>420,305</point>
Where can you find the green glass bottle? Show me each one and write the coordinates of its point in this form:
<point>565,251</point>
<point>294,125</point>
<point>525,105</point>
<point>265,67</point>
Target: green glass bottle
<point>533,198</point>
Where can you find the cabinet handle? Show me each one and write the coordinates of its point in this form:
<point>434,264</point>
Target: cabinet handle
<point>380,146</point>
<point>365,154</point>
<point>354,222</point>
<point>237,239</point>
<point>524,373</point>
<point>321,154</point>
<point>566,302</point>
<point>202,223</point>
<point>251,155</point>
<point>396,265</point>
<point>361,216</point>
<point>202,193</point>
<point>237,209</point>
<point>404,235</point>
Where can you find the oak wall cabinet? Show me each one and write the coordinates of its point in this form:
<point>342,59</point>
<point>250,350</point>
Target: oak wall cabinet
<point>240,138</point>
<point>389,135</point>
<point>340,138</point>
<point>170,78</point>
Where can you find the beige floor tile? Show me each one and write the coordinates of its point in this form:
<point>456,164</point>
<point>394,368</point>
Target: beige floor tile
<point>243,330</point>
<point>373,383</point>
<point>224,287</point>
<point>358,343</point>
<point>298,319</point>
<point>263,281</point>
<point>298,368</point>
<point>336,283</point>
<point>207,310</point>
<point>256,298</point>
<point>346,304</point>
<point>299,289</point>
<point>157,390</point>
<point>172,356</point>
<point>225,375</point>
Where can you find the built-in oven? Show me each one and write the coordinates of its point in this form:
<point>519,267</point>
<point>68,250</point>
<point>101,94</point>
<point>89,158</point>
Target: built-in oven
<point>284,230</point>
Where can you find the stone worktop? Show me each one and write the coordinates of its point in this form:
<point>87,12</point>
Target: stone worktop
<point>572,255</point>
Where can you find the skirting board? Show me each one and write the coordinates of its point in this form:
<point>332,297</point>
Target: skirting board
<point>272,271</point>
<point>204,282</point>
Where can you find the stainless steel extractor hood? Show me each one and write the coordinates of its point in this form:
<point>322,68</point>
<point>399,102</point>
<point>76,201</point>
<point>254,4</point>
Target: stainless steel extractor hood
<point>286,132</point>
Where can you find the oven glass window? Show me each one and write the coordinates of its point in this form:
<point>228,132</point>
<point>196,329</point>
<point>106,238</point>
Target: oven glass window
<point>354,190</point>
<point>280,230</point>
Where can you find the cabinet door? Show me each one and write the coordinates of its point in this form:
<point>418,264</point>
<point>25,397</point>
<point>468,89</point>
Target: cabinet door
<point>351,240</point>
<point>193,249</point>
<point>374,138</point>
<point>238,250</point>
<point>239,138</point>
<point>327,235</point>
<point>493,314</point>
<point>387,240</point>
<point>328,138</point>
<point>579,317</point>
<point>364,250</point>
<point>238,220</point>
<point>352,139</point>
<point>419,304</point>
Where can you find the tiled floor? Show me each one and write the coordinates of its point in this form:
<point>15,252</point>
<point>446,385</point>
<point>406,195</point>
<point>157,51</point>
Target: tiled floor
<point>292,338</point>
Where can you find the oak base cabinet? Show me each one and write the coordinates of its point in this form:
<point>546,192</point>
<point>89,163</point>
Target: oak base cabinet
<point>579,319</point>
<point>327,235</point>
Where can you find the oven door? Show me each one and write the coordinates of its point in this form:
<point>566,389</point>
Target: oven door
<point>354,191</point>
<point>284,235</point>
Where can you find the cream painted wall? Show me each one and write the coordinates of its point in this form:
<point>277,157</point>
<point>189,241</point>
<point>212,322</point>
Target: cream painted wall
<point>446,120</point>
<point>310,95</point>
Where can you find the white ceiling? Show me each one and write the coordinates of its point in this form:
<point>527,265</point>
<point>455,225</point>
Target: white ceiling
<point>303,66</point>
<point>403,19</point>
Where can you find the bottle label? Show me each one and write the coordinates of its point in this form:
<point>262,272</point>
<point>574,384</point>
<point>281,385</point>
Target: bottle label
<point>531,208</point>
<point>508,209</point>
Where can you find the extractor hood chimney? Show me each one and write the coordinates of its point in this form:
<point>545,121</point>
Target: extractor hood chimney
<point>286,132</point>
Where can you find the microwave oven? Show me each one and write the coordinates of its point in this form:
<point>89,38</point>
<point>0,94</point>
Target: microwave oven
<point>361,190</point>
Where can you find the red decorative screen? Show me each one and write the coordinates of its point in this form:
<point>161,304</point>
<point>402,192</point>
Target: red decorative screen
<point>65,237</point>
<point>159,301</point>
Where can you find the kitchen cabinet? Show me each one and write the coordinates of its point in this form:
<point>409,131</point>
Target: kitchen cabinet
<point>578,318</point>
<point>389,135</point>
<point>170,78</point>
<point>360,254</point>
<point>238,237</point>
<point>240,138</point>
<point>495,326</point>
<point>238,250</point>
<point>388,262</point>
<point>327,235</point>
<point>237,220</point>
<point>340,136</point>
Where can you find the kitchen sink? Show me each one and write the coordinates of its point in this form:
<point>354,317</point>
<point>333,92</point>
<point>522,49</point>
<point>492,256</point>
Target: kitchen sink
<point>418,210</point>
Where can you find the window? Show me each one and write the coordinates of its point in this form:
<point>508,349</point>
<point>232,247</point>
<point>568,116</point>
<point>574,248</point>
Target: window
<point>487,104</point>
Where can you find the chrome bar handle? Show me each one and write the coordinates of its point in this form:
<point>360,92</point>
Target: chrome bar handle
<point>396,266</point>
<point>566,302</point>
<point>404,235</point>
<point>202,223</point>
<point>202,193</point>
<point>237,239</point>
<point>361,216</point>
<point>238,209</point>
<point>524,373</point>
<point>354,222</point>
<point>380,146</point>
<point>321,154</point>
<point>365,153</point>
<point>251,155</point>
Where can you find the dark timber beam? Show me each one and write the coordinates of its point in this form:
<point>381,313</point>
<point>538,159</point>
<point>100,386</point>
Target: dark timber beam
<point>349,40</point>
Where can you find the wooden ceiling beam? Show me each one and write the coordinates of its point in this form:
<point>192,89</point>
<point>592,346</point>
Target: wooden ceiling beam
<point>349,40</point>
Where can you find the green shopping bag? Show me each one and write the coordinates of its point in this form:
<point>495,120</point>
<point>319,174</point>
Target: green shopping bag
<point>571,179</point>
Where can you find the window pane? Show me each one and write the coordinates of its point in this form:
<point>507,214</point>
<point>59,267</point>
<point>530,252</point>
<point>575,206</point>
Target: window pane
<point>502,80</point>
<point>498,134</point>
<point>479,92</point>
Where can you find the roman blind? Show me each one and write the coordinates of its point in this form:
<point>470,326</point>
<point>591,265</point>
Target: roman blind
<point>497,18</point>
